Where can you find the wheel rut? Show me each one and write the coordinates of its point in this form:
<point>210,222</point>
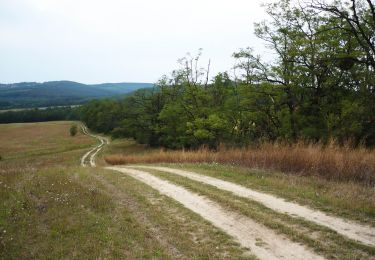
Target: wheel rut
<point>358,232</point>
<point>263,242</point>
<point>88,159</point>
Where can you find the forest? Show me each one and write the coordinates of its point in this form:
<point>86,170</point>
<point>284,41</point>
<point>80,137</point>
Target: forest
<point>60,93</point>
<point>39,115</point>
<point>319,87</point>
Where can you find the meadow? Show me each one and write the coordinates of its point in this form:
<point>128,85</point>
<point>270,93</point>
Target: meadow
<point>51,207</point>
<point>332,179</point>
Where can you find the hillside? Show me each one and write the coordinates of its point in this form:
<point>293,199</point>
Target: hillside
<point>56,93</point>
<point>60,198</point>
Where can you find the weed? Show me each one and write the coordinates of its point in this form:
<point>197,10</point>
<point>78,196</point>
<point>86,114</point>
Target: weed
<point>330,162</point>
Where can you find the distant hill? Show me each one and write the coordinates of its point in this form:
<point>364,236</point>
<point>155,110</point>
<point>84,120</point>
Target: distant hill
<point>60,93</point>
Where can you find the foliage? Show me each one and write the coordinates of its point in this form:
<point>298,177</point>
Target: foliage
<point>319,87</point>
<point>39,115</point>
<point>73,130</point>
<point>60,93</point>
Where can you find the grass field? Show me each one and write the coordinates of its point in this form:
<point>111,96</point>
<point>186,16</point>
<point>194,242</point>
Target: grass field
<point>346,198</point>
<point>24,142</point>
<point>321,239</point>
<point>53,208</point>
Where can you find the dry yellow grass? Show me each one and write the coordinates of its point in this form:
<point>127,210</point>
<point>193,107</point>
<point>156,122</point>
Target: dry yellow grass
<point>27,140</point>
<point>331,162</point>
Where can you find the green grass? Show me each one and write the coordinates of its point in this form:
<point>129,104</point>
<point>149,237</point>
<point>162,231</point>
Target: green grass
<point>187,232</point>
<point>50,207</point>
<point>321,239</point>
<point>345,199</point>
<point>62,214</point>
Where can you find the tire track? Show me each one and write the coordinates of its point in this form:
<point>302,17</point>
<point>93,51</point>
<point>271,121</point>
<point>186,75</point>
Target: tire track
<point>362,233</point>
<point>89,157</point>
<point>263,242</point>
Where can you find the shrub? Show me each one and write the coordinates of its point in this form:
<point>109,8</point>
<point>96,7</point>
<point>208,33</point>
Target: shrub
<point>73,130</point>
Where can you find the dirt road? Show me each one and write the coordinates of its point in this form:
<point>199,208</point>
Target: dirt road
<point>89,157</point>
<point>262,242</point>
<point>355,231</point>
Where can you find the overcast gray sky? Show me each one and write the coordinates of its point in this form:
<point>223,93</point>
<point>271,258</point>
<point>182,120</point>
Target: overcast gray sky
<point>93,41</point>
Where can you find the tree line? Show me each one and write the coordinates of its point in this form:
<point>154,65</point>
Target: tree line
<point>320,86</point>
<point>39,115</point>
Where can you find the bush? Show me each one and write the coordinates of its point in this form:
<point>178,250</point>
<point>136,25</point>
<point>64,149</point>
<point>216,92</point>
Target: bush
<point>73,130</point>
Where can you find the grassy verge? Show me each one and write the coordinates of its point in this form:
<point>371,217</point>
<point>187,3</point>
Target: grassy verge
<point>118,146</point>
<point>349,200</point>
<point>321,239</point>
<point>185,232</point>
<point>62,214</point>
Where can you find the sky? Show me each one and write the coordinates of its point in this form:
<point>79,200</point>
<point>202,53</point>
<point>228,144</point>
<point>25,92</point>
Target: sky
<point>96,41</point>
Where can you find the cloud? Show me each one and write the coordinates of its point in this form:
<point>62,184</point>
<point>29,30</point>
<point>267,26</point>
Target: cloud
<point>121,34</point>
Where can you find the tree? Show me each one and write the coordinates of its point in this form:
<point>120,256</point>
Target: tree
<point>319,86</point>
<point>359,18</point>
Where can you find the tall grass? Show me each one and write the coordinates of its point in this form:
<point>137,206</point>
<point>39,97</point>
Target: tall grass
<point>331,162</point>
